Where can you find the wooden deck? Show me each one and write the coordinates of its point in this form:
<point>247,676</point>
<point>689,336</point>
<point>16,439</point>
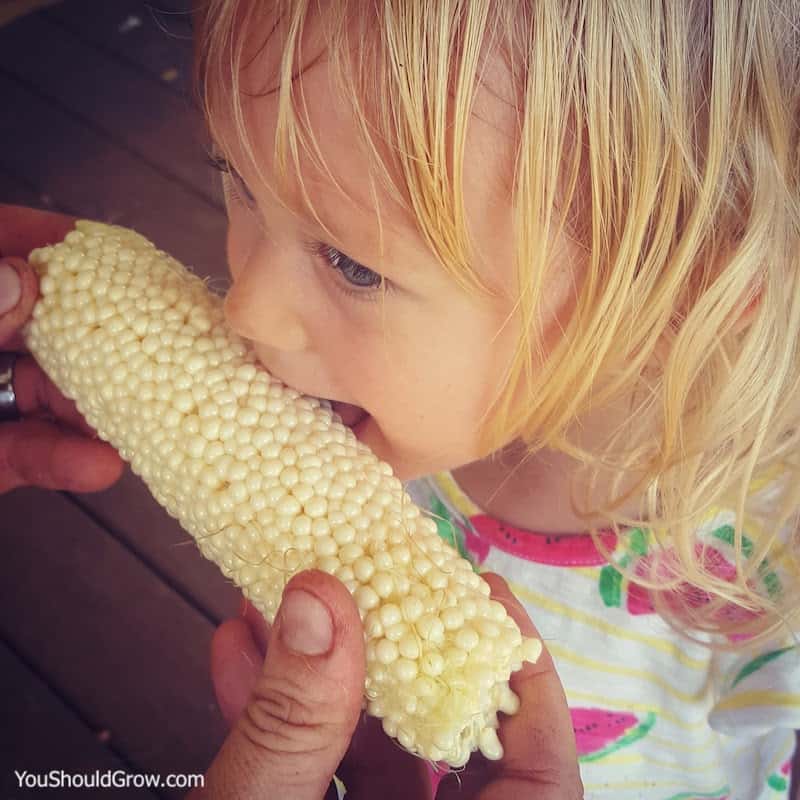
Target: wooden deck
<point>107,607</point>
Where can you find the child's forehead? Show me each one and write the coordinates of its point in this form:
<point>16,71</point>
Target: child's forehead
<point>336,189</point>
<point>332,175</point>
<point>338,170</point>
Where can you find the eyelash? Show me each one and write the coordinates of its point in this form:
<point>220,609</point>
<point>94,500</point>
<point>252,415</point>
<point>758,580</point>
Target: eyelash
<point>339,262</point>
<point>330,255</point>
<point>238,187</point>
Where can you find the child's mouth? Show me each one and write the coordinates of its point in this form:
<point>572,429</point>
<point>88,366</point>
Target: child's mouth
<point>351,415</point>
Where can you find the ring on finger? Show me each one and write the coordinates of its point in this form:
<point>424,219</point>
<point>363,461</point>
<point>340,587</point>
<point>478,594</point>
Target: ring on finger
<point>9,411</point>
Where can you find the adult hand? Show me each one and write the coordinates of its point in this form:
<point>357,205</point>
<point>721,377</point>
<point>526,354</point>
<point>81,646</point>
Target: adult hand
<point>293,717</point>
<point>51,446</point>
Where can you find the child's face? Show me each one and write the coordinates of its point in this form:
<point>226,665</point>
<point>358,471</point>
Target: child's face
<point>424,365</point>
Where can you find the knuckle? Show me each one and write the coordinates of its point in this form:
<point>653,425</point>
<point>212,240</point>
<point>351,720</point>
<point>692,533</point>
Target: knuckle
<point>548,781</point>
<point>569,784</point>
<point>280,721</point>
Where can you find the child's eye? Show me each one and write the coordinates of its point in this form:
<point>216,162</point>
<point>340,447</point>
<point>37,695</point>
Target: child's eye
<point>366,281</point>
<point>238,187</point>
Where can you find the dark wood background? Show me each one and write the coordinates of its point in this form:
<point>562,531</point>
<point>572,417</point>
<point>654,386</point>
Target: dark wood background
<point>107,607</point>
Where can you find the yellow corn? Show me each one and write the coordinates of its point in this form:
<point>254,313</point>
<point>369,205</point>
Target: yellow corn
<point>270,482</point>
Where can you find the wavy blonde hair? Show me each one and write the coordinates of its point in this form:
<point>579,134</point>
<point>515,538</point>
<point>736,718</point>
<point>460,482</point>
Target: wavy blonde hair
<point>662,138</point>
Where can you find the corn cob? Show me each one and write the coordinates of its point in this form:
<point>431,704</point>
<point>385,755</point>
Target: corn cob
<point>269,482</point>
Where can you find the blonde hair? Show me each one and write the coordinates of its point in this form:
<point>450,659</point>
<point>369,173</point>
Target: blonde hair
<point>661,138</point>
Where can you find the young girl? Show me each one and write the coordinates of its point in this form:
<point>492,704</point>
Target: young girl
<point>543,255</point>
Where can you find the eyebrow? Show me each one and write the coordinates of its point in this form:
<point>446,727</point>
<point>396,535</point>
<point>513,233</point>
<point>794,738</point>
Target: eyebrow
<point>329,218</point>
<point>327,206</point>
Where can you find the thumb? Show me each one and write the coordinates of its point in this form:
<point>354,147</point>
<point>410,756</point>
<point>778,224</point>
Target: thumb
<point>305,703</point>
<point>19,289</point>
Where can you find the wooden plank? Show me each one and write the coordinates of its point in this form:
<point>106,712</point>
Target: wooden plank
<point>14,191</point>
<point>115,98</point>
<point>135,518</point>
<point>116,642</point>
<point>63,142</point>
<point>84,170</point>
<point>11,9</point>
<point>41,733</point>
<point>155,36</point>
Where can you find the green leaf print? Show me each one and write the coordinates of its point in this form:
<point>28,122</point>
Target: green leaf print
<point>449,531</point>
<point>610,585</point>
<point>757,663</point>
<point>778,783</point>
<point>771,581</point>
<point>727,534</point>
<point>722,794</point>
<point>638,541</point>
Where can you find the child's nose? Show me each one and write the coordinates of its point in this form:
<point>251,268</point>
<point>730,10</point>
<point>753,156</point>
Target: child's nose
<point>261,307</point>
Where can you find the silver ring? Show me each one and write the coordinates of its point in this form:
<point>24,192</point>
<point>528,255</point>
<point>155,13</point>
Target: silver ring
<point>9,411</point>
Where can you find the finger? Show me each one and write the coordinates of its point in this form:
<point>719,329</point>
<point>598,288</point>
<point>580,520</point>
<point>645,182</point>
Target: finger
<point>376,766</point>
<point>259,627</point>
<point>374,761</point>
<point>301,714</point>
<point>236,658</point>
<point>235,666</point>
<point>39,453</point>
<point>540,758</point>
<point>549,729</point>
<point>37,394</point>
<point>502,593</point>
<point>22,229</point>
<point>16,304</point>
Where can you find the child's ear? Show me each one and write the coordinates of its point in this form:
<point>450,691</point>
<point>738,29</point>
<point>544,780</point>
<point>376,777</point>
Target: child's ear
<point>745,318</point>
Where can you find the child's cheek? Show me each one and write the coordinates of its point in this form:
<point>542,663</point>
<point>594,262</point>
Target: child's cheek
<point>240,241</point>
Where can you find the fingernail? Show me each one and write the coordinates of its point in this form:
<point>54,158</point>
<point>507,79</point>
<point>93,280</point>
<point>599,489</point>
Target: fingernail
<point>10,289</point>
<point>306,625</point>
